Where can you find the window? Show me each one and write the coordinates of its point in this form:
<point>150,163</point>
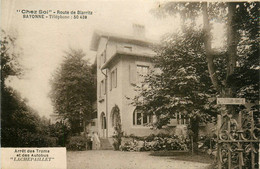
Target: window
<point>142,71</point>
<point>113,79</point>
<point>179,119</point>
<point>103,57</point>
<point>102,88</point>
<point>98,61</point>
<point>140,118</point>
<point>103,121</point>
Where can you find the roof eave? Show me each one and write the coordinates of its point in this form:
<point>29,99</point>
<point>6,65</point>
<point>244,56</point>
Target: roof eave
<point>106,65</point>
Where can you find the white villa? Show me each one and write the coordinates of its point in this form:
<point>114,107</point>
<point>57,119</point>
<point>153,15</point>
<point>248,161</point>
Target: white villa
<point>121,62</point>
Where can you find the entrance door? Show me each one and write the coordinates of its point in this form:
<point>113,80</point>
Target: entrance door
<point>115,118</point>
<point>103,125</point>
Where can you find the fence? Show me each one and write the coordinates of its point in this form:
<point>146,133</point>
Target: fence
<point>238,142</point>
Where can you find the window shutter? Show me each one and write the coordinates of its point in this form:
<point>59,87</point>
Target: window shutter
<point>134,120</point>
<point>115,78</point>
<point>111,82</point>
<point>105,88</point>
<point>104,56</point>
<point>100,87</point>
<point>132,73</point>
<point>99,61</point>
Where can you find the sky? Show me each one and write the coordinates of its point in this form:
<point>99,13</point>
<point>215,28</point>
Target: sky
<point>43,41</point>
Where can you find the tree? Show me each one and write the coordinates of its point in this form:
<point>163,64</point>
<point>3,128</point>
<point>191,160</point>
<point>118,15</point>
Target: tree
<point>21,126</point>
<point>9,58</point>
<point>73,90</point>
<point>60,131</point>
<point>241,20</point>
<point>164,91</point>
<point>245,79</point>
<point>182,86</point>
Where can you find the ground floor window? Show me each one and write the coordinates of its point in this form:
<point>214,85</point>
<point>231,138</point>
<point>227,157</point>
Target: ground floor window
<point>141,118</point>
<point>179,119</point>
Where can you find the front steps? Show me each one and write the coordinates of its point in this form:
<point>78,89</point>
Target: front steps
<point>105,144</point>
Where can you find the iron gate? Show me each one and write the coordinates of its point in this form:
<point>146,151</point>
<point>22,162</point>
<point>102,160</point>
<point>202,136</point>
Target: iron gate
<point>238,145</point>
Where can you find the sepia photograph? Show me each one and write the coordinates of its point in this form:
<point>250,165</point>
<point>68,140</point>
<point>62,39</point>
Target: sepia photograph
<point>139,84</point>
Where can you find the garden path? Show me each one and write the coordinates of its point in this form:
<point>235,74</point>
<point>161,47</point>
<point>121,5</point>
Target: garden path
<point>106,159</point>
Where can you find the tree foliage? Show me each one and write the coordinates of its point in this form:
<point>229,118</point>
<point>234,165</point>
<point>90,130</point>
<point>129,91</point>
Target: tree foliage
<point>60,131</point>
<point>21,126</point>
<point>182,85</point>
<point>73,90</point>
<point>241,28</point>
<point>192,72</point>
<point>9,57</point>
<point>245,80</point>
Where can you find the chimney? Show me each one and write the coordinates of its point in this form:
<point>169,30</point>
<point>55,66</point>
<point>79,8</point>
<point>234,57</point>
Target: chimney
<point>139,30</point>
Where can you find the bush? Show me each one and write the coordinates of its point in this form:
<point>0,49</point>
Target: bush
<point>156,143</point>
<point>207,142</point>
<point>77,143</point>
<point>25,138</point>
<point>60,131</point>
<point>118,134</point>
<point>117,137</point>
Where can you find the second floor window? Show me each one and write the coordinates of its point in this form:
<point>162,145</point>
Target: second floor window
<point>102,58</point>
<point>142,71</point>
<point>113,79</point>
<point>102,88</point>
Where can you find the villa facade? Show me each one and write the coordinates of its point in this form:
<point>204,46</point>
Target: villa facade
<point>122,62</point>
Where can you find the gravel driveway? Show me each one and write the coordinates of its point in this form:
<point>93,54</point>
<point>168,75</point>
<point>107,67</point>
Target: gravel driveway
<point>106,159</point>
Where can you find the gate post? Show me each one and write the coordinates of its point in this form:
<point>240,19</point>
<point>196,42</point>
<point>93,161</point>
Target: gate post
<point>240,150</point>
<point>251,114</point>
<point>219,123</point>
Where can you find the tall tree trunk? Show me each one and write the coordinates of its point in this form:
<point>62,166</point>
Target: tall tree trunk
<point>232,42</point>
<point>208,48</point>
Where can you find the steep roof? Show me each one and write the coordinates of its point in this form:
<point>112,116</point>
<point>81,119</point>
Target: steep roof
<point>117,37</point>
